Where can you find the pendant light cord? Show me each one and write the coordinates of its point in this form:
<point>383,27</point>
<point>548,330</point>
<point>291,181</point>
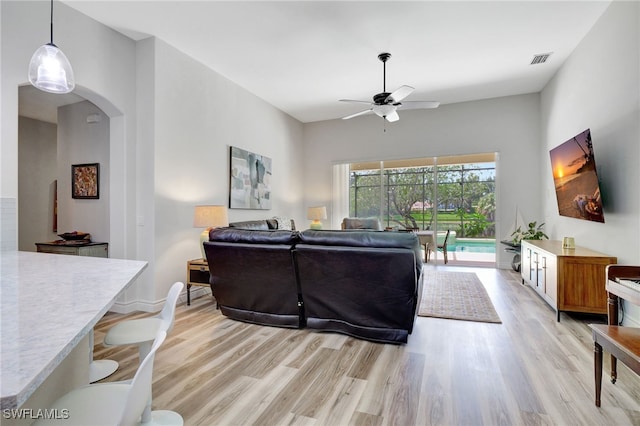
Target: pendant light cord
<point>51,27</point>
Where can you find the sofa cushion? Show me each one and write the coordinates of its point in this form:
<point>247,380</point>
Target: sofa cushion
<point>249,236</point>
<point>263,225</point>
<point>363,238</point>
<point>251,224</point>
<point>359,238</point>
<point>253,275</point>
<point>363,283</point>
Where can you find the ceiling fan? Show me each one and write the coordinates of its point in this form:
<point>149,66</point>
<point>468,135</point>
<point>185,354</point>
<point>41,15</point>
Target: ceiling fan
<point>386,104</point>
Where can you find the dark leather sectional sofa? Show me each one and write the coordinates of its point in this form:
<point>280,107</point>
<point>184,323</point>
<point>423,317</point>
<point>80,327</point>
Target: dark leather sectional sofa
<point>363,283</point>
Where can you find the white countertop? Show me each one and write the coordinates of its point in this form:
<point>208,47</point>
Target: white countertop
<point>48,303</point>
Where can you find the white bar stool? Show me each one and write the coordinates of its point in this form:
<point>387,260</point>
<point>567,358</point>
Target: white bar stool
<point>141,332</point>
<point>114,403</point>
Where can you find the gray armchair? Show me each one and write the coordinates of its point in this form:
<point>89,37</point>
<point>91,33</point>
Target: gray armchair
<point>362,223</point>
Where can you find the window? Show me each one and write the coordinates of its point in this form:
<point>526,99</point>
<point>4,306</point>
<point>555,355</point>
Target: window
<point>442,193</point>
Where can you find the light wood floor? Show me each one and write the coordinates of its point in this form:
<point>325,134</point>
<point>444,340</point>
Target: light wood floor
<point>529,370</point>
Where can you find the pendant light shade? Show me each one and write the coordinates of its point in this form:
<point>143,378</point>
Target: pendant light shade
<point>49,69</point>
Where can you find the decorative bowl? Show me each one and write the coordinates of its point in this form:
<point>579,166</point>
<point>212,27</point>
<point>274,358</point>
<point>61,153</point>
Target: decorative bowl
<point>75,235</point>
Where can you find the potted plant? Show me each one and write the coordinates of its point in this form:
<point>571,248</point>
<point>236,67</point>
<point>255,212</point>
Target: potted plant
<point>533,233</point>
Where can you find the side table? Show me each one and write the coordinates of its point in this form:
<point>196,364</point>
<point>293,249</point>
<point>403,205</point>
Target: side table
<point>428,240</point>
<point>197,274</point>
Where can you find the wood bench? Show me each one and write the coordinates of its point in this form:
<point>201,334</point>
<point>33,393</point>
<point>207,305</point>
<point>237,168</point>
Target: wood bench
<point>623,343</point>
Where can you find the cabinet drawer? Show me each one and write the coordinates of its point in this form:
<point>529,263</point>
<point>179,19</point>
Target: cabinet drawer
<point>92,250</point>
<point>59,250</point>
<point>199,275</point>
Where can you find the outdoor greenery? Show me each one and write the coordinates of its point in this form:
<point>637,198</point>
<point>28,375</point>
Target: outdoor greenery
<point>405,197</point>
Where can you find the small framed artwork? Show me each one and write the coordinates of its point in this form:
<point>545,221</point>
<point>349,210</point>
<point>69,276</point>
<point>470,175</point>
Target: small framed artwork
<point>85,181</point>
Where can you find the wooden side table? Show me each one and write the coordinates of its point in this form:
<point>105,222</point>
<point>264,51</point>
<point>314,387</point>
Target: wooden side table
<point>197,274</point>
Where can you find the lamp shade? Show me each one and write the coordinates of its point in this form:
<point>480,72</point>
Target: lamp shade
<point>317,213</point>
<point>210,217</point>
<point>50,70</point>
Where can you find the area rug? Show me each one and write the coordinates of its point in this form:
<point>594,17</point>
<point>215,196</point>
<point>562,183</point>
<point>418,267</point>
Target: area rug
<point>456,295</point>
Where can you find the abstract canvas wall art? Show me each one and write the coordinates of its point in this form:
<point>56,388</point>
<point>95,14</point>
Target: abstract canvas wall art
<point>85,181</point>
<point>250,180</point>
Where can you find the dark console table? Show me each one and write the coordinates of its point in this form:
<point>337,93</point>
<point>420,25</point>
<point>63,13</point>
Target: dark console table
<point>74,248</point>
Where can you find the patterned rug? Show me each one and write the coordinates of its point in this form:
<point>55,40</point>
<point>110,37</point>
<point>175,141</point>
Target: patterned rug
<point>456,295</point>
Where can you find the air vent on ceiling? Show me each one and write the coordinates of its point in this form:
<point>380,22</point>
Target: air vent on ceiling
<point>540,58</point>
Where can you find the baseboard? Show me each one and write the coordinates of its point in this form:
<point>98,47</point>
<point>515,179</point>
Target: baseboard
<point>146,306</point>
<point>196,291</point>
<point>504,265</point>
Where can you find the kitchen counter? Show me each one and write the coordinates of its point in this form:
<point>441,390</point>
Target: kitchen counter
<point>49,303</point>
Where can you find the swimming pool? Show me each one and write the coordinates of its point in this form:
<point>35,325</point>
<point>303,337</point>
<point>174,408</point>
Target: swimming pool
<point>473,245</point>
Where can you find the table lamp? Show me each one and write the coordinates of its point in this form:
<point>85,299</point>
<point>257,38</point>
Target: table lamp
<point>316,214</point>
<point>209,217</point>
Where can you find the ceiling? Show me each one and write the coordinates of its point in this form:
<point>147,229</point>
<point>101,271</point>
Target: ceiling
<point>303,56</point>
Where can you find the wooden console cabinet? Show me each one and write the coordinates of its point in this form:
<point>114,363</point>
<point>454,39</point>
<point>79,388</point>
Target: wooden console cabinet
<point>569,280</point>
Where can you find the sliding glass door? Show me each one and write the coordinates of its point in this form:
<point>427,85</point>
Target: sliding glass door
<point>455,193</point>
<point>365,193</point>
<point>466,198</point>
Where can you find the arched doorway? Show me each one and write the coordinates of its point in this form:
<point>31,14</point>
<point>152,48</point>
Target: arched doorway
<point>42,108</point>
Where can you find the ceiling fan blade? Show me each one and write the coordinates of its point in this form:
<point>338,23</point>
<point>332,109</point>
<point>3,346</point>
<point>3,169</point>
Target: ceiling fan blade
<point>392,117</point>
<point>418,104</point>
<point>366,111</point>
<point>355,102</point>
<point>399,94</point>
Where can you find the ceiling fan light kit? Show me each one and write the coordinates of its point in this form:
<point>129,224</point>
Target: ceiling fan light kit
<point>386,104</point>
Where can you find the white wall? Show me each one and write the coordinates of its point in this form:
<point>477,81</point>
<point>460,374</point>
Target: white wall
<point>599,88</point>
<point>508,126</point>
<point>194,122</point>
<point>37,152</point>
<point>143,176</point>
<point>81,142</point>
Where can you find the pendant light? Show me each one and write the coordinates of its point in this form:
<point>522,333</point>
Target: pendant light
<point>49,69</point>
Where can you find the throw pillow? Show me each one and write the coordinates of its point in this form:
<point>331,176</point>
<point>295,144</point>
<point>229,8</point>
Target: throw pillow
<point>283,222</point>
